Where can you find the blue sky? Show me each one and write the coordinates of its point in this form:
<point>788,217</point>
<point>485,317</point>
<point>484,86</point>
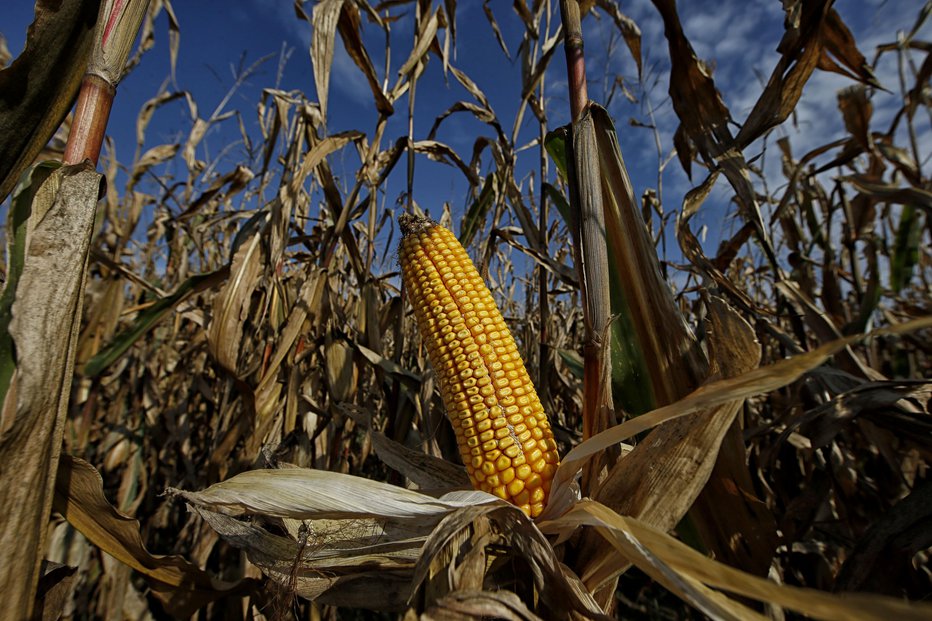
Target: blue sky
<point>739,36</point>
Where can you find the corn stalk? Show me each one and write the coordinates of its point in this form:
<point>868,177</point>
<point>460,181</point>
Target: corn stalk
<point>54,221</point>
<point>589,241</point>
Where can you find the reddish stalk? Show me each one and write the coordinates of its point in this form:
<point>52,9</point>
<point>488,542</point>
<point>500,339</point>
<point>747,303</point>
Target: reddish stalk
<point>117,26</point>
<point>575,59</point>
<point>90,120</point>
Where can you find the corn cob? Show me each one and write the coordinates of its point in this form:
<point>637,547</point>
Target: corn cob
<point>503,434</point>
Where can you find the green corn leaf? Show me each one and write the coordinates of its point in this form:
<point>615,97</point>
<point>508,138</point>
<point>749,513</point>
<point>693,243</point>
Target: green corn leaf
<point>906,248</point>
<point>149,318</point>
<point>20,212</point>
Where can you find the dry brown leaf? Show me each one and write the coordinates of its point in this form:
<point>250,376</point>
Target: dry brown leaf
<point>697,102</point>
<point>361,533</point>
<point>841,53</point>
<point>672,562</point>
<point>468,604</point>
<point>711,395</point>
<point>429,473</point>
<point>661,478</point>
<point>441,152</point>
<point>490,17</point>
<point>148,109</point>
<point>200,128</point>
<point>340,369</point>
<point>882,559</point>
<point>232,304</point>
<point>55,589</point>
<point>349,26</point>
<point>882,402</point>
<point>237,179</point>
<point>5,55</point>
<point>326,15</point>
<point>427,32</point>
<point>856,110</point>
<point>182,587</point>
<point>147,35</point>
<point>152,157</point>
<point>675,364</point>
<point>560,590</point>
<point>46,319</point>
<point>307,306</point>
<point>342,563</point>
<point>36,91</point>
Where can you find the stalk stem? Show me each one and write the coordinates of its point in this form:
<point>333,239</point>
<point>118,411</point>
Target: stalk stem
<point>575,59</point>
<point>90,120</point>
<point>590,252</point>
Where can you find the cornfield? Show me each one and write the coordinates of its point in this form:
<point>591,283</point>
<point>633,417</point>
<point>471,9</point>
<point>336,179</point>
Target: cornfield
<point>217,402</point>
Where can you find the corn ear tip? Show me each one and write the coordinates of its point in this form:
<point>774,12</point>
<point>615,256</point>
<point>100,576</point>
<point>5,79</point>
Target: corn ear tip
<point>411,224</point>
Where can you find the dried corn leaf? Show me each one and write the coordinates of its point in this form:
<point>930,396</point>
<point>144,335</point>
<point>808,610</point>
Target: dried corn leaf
<point>407,377</point>
<point>147,35</point>
<point>463,604</point>
<point>150,317</point>
<point>490,17</point>
<point>441,152</point>
<point>56,588</point>
<point>232,304</point>
<point>882,559</point>
<point>46,318</point>
<point>340,370</point>
<point>349,26</point>
<point>5,55</point>
<point>812,33</point>
<point>182,587</point>
<point>360,541</point>
<point>351,563</point>
<point>37,90</point>
<point>237,179</point>
<point>19,223</point>
<point>426,471</point>
<point>690,574</point>
<point>326,15</point>
<point>697,102</point>
<point>475,216</point>
<point>917,197</point>
<point>662,477</point>
<point>840,51</point>
<point>307,306</point>
<point>427,32</point>
<point>704,119</point>
<point>148,110</point>
<point>883,403</point>
<point>152,157</point>
<point>667,355</point>
<point>560,590</point>
<point>303,494</point>
<point>710,395</point>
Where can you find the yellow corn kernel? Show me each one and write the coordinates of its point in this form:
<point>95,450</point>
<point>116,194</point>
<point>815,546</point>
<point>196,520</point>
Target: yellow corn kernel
<point>486,389</point>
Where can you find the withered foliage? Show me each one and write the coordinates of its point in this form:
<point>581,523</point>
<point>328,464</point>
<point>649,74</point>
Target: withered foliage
<point>248,316</point>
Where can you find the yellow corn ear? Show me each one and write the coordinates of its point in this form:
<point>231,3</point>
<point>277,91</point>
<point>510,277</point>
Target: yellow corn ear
<point>504,436</point>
